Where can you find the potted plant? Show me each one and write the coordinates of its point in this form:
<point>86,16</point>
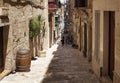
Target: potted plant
<point>36,34</point>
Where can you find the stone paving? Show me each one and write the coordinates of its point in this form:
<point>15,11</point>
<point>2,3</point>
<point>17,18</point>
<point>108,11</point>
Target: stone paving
<point>62,64</point>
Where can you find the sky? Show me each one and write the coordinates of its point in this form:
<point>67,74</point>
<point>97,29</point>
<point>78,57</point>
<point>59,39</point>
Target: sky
<point>62,1</point>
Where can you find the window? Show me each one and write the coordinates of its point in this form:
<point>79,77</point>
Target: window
<point>80,3</point>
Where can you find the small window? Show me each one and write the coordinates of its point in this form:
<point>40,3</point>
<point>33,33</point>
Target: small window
<point>80,3</point>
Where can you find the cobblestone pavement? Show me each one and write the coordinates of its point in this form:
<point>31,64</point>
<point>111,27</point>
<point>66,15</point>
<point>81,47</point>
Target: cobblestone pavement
<point>62,64</point>
<point>69,66</point>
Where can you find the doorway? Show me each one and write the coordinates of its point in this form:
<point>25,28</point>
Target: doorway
<point>80,36</point>
<point>50,30</point>
<point>1,49</point>
<point>111,44</point>
<point>85,40</point>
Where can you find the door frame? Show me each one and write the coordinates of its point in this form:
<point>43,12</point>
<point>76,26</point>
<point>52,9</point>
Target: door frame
<point>2,66</point>
<point>85,40</point>
<point>111,44</point>
<point>106,44</point>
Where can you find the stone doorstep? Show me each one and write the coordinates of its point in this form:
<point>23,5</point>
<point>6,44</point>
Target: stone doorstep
<point>42,53</point>
<point>4,73</point>
<point>106,79</point>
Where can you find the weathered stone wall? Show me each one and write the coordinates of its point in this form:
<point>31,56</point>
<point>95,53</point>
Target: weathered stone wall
<point>18,35</point>
<point>117,47</point>
<point>19,22</point>
<point>83,16</point>
<point>45,15</point>
<point>106,4</point>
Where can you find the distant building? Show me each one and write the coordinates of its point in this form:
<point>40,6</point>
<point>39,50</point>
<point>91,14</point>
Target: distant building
<point>56,13</point>
<point>80,19</point>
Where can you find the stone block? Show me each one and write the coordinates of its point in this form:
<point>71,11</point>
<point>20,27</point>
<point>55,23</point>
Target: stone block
<point>116,78</point>
<point>42,53</point>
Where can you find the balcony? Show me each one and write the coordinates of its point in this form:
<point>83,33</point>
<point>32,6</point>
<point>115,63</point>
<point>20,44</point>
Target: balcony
<point>4,11</point>
<point>52,6</point>
<point>33,3</point>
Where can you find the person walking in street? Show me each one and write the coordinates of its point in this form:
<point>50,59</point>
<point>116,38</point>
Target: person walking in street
<point>62,41</point>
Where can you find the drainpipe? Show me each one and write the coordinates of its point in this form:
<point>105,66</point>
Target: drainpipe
<point>4,73</point>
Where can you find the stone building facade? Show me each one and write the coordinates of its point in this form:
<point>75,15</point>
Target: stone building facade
<point>106,38</point>
<point>15,28</point>
<point>80,14</point>
<point>53,9</point>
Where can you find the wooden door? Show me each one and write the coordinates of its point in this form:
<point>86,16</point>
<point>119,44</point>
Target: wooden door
<point>111,43</point>
<point>50,33</point>
<point>50,29</point>
<point>1,48</point>
<point>80,35</point>
<point>85,39</point>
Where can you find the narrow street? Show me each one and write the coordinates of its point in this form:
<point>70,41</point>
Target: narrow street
<point>69,66</point>
<point>59,41</point>
<point>62,64</point>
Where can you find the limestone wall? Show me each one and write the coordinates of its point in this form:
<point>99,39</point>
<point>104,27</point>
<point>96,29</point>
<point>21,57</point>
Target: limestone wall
<point>18,35</point>
<point>106,4</point>
<point>45,15</point>
<point>103,6</point>
<point>117,48</point>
